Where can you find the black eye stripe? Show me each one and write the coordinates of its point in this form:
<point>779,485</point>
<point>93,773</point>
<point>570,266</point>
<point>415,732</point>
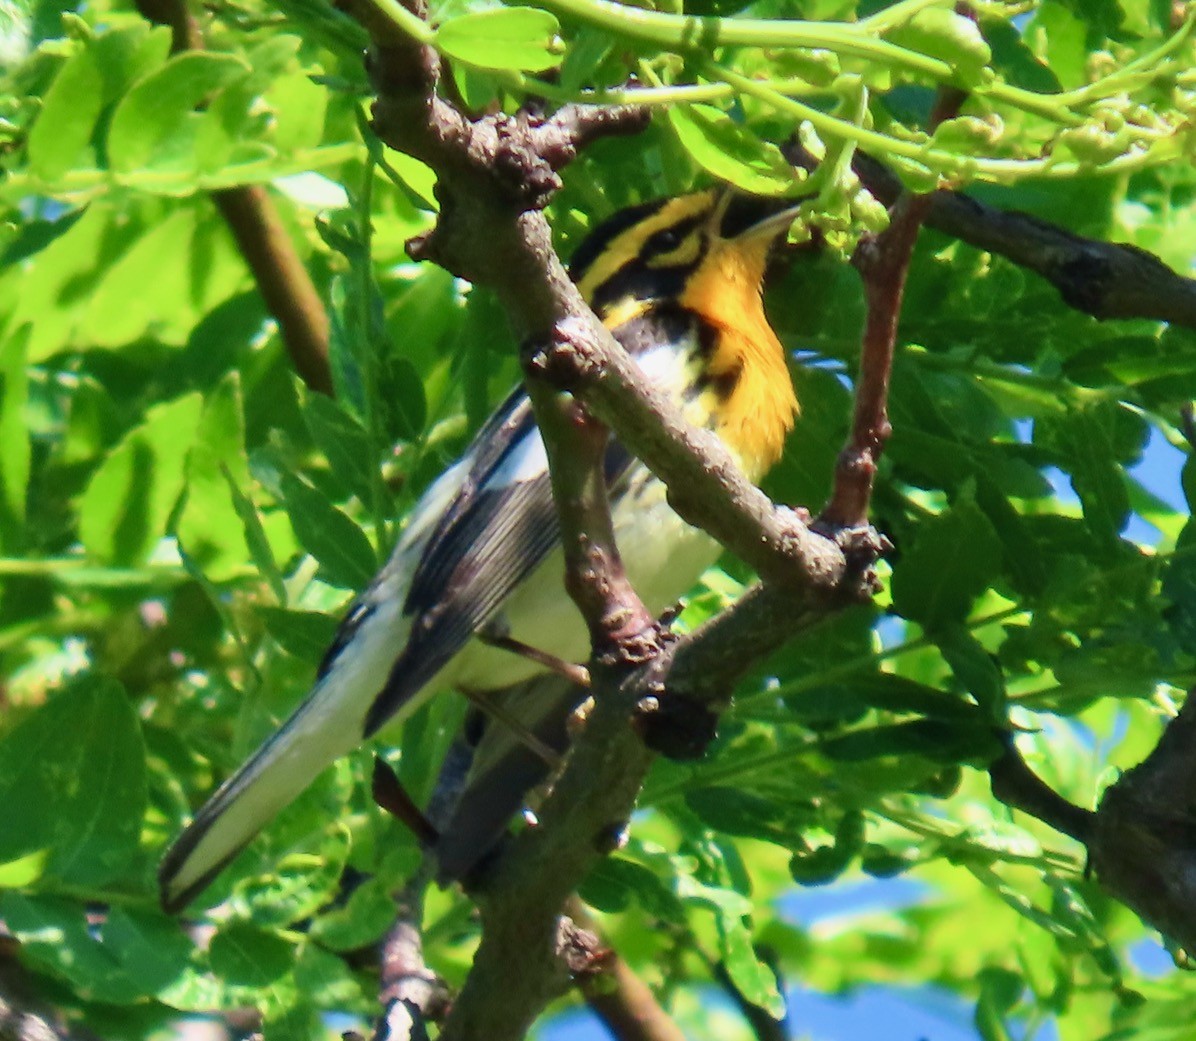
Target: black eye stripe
<point>606,232</point>
<point>668,239</point>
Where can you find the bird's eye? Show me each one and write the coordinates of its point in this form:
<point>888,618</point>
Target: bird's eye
<point>664,241</point>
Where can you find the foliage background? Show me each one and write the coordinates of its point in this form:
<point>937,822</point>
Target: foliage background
<point>180,521</point>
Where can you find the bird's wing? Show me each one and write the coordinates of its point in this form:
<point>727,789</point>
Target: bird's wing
<point>474,535</point>
<point>498,530</point>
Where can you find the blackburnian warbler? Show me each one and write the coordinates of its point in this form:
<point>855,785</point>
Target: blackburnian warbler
<point>678,282</point>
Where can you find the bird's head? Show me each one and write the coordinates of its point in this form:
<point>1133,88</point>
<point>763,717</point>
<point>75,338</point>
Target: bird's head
<point>697,251</point>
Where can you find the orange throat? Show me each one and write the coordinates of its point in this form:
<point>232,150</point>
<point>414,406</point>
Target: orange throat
<point>757,406</point>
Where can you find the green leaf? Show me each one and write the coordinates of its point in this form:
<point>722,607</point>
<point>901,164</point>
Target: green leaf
<point>999,992</point>
<point>68,116</point>
<point>156,114</point>
<point>731,151</point>
<point>130,497</point>
<point>956,555</point>
<point>822,864</point>
<point>292,1021</point>
<point>751,976</point>
<point>404,404</point>
<point>975,669</point>
<point>736,812</point>
<point>523,38</point>
<point>210,527</point>
<point>243,954</point>
<point>934,740</point>
<point>255,538</point>
<point>14,440</point>
<point>345,444</point>
<point>305,634</point>
<point>72,780</point>
<point>956,39</point>
<point>359,922</point>
<point>1015,61</point>
<point>148,945</point>
<point>1085,443</point>
<point>614,882</point>
<point>345,555</point>
<point>56,938</point>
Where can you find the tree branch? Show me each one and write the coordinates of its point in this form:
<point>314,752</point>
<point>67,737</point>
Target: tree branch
<point>1143,843</point>
<point>1102,279</point>
<point>1016,785</point>
<point>282,279</point>
<point>496,173</point>
<point>617,996</point>
<point>594,576</point>
<point>251,216</point>
<point>883,263</point>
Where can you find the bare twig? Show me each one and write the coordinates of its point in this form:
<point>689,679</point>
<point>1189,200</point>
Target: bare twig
<point>617,995</point>
<point>1016,785</point>
<point>594,576</point>
<point>883,263</point>
<point>411,994</point>
<point>251,216</point>
<point>282,279</point>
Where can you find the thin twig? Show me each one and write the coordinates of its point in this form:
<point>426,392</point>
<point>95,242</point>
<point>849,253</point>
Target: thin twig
<point>617,995</point>
<point>883,263</point>
<point>411,994</point>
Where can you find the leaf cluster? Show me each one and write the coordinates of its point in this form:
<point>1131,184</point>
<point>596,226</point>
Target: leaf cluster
<point>181,520</point>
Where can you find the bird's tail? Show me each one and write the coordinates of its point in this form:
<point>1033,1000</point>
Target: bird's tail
<point>504,771</point>
<point>328,725</point>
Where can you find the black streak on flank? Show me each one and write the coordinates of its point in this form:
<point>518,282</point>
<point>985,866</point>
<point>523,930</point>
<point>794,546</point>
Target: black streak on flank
<point>357,615</point>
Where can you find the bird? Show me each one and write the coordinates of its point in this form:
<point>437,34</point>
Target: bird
<point>678,281</point>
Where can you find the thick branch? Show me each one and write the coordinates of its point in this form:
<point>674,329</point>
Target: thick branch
<point>623,1001</point>
<point>1016,785</point>
<point>705,485</point>
<point>494,175</point>
<point>1103,279</point>
<point>1143,845</point>
<point>250,214</point>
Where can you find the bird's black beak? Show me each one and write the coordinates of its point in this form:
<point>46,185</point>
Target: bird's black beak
<point>752,216</point>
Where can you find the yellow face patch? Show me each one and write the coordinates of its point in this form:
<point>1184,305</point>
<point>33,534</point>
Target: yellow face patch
<point>630,244</point>
<point>685,254</point>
